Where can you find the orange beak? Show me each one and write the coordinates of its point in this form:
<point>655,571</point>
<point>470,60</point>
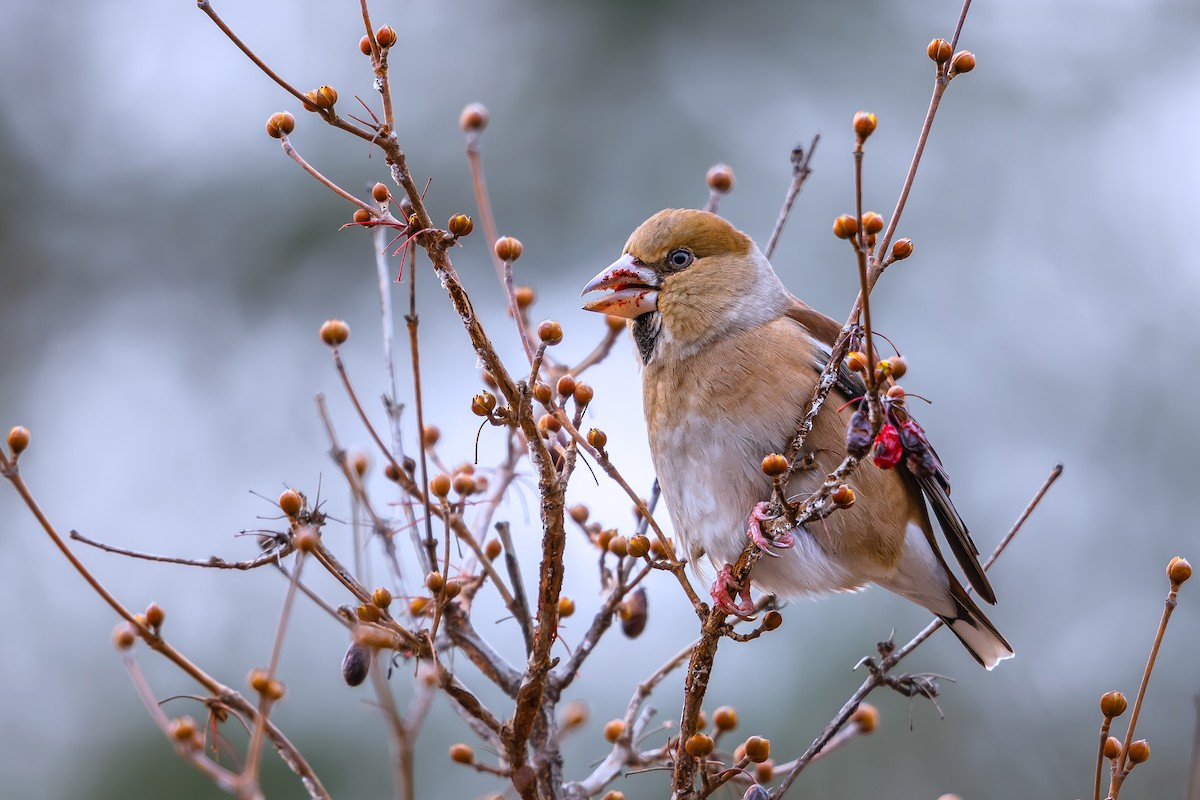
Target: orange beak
<point>633,285</point>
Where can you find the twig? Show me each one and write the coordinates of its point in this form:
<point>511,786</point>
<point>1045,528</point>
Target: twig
<point>520,605</point>
<point>212,562</point>
<point>878,675</point>
<point>800,172</point>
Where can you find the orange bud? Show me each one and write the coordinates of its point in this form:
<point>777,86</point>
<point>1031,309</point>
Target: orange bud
<point>525,296</point>
<point>964,61</point>
<point>483,403</point>
<point>364,45</point>
<point>290,502</point>
<point>597,438</point>
<point>566,606</point>
<point>1139,751</point>
<point>1179,570</point>
<point>1113,704</point>
<point>385,36</point>
<point>774,465</point>
<point>1112,748</point>
<point>550,332</point>
<point>492,549</point>
<point>460,225</point>
<point>380,192</point>
<point>462,753</point>
<point>902,249</point>
<point>845,226</point>
<point>613,729</point>
<point>381,597</point>
<point>508,248</point>
<point>440,484</point>
<point>720,178</point>
<point>335,332</point>
<point>566,386</point>
<point>725,718</point>
<point>864,124</point>
<point>772,620</point>
<point>699,745</point>
<point>939,51</point>
<point>871,222</point>
<point>758,749</point>
<point>584,393</point>
<point>280,124</point>
<point>325,97</point>
<point>866,716</point>
<point>474,117</point>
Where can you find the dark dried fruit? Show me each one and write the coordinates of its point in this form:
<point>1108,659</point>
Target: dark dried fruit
<point>356,664</point>
<point>858,432</point>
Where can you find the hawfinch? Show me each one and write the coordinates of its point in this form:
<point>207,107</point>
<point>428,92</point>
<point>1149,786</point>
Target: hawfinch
<point>729,363</point>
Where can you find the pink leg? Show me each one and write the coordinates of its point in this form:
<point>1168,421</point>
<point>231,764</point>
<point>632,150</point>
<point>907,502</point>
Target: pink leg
<point>724,601</point>
<point>755,532</point>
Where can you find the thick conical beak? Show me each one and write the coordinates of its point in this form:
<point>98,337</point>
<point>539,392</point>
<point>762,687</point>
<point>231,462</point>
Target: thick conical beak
<point>634,289</point>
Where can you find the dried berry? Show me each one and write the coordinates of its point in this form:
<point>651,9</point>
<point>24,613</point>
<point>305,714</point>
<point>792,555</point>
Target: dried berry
<point>335,332</point>
<point>356,664</point>
<point>699,745</point>
<point>633,612</point>
<point>858,432</point>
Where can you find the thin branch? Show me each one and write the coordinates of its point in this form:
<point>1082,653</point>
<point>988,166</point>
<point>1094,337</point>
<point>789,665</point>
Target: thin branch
<point>800,172</point>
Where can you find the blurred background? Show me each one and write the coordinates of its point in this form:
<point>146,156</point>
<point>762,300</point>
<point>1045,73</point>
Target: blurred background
<point>165,270</point>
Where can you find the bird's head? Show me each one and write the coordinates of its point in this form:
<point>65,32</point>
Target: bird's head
<point>687,278</point>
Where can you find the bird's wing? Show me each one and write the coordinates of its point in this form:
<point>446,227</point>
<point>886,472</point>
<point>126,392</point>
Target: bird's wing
<point>934,484</point>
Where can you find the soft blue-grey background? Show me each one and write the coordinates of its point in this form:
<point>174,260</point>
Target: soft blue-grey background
<point>165,269</point>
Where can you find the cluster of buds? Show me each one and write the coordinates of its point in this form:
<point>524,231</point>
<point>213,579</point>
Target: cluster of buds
<point>940,52</point>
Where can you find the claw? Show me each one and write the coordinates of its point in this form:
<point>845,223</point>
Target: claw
<point>724,601</point>
<point>755,532</point>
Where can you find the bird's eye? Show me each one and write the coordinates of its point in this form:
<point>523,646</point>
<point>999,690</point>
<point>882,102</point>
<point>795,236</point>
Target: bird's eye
<point>678,259</point>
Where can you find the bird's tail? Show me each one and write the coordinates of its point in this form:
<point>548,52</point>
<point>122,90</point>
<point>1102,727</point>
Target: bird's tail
<point>976,631</point>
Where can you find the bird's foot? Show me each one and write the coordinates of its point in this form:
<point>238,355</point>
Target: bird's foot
<point>755,532</point>
<point>723,600</point>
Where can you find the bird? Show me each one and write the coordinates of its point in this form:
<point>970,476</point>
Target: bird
<point>729,360</point>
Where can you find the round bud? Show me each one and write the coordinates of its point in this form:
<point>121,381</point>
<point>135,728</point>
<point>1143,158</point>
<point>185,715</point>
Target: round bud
<point>182,729</point>
<point>584,394</point>
<point>463,483</point>
<point>417,606</point>
<point>306,540</point>
<point>460,225</point>
<point>899,366</point>
<point>575,714</point>
<point>385,36</point>
<point>489,379</point>
<point>866,716</point>
<point>845,226</point>
<point>525,296</point>
<point>155,615</point>
<point>542,392</point>
<point>364,47</point>
<point>1179,570</point>
<point>613,794</point>
<point>566,606</point>
<point>363,217</point>
<point>356,663</point>
<point>391,472</point>
<point>758,749</point>
<point>1113,704</point>
<point>550,332</point>
<point>335,332</point>
<point>440,484</point>
<point>310,101</point>
<point>660,550</point>
<point>280,124</point>
<point>774,465</point>
<point>720,178</point>
<point>258,680</point>
<point>492,549</point>
<point>872,223</point>
<point>639,546</point>
<point>618,546</point>
<point>548,423</point>
<point>453,589</point>
<point>566,386</point>
<point>864,124</point>
<point>604,537</point>
<point>380,192</point>
<point>856,361</point>
<point>18,439</point>
<point>367,612</point>
<point>123,636</point>
<point>483,403</point>
<point>763,773</point>
<point>939,50</point>
<point>964,61</point>
<point>508,248</point>
<point>579,513</point>
<point>772,620</point>
<point>902,249</point>
<point>360,461</point>
<point>290,502</point>
<point>842,496</point>
<point>462,753</point>
<point>1112,748</point>
<point>597,438</point>
<point>381,597</point>
<point>434,582</point>
<point>699,745</point>
<point>614,729</point>
<point>324,97</point>
<point>474,118</point>
<point>725,718</point>
<point>1139,751</point>
<point>430,435</point>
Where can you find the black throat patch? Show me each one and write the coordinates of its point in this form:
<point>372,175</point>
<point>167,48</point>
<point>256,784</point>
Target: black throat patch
<point>645,334</point>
